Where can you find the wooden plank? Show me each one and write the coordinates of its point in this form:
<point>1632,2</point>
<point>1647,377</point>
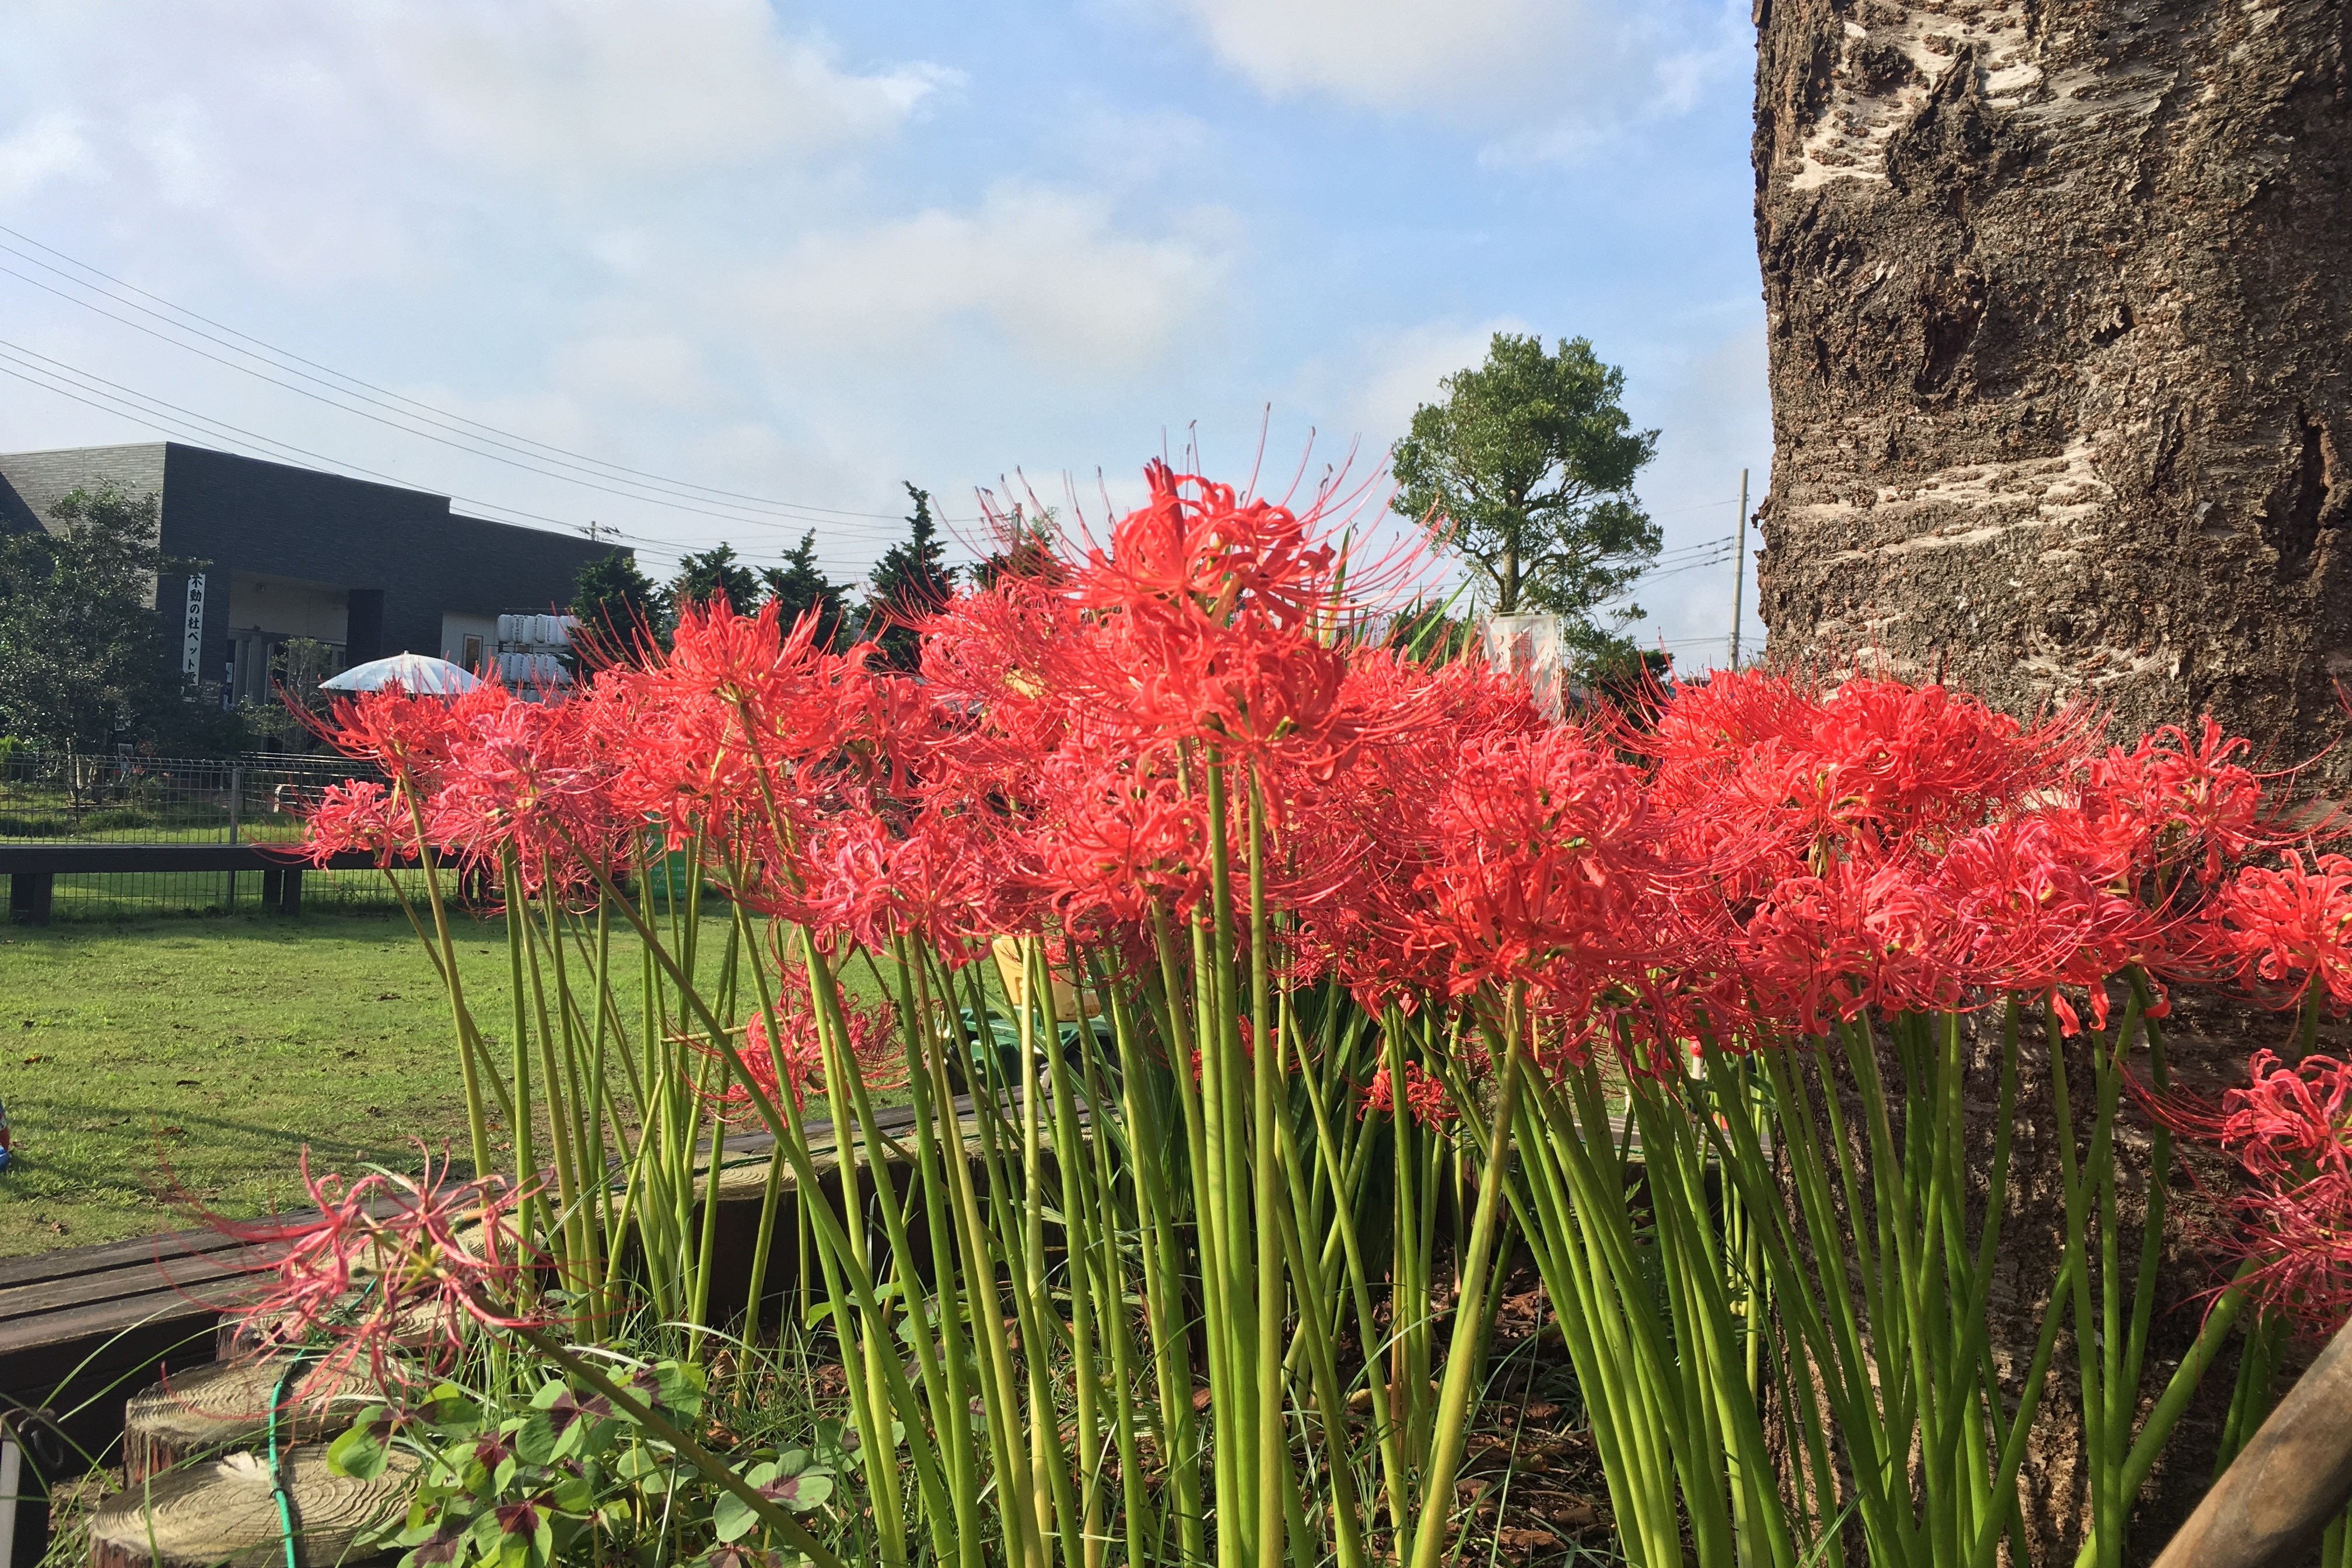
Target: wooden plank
<point>2279,1495</point>
<point>133,1252</point>
<point>62,858</point>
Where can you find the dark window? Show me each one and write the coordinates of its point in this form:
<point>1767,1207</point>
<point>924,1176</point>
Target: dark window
<point>473,659</point>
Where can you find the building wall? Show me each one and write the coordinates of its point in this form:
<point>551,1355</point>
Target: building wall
<point>456,625</point>
<point>399,559</point>
<point>35,481</point>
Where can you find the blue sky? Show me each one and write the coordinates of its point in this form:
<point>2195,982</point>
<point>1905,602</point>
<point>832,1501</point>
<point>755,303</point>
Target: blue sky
<point>802,252</point>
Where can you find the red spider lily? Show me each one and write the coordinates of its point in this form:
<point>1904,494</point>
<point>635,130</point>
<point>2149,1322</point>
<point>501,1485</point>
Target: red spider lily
<point>360,816</point>
<point>2032,902</point>
<point>1196,546</point>
<point>2284,933</point>
<point>1756,755</point>
<point>2171,799</point>
<point>931,880</point>
<point>389,1262</point>
<point>524,779</point>
<point>2292,1121</point>
<point>1862,935</point>
<point>2301,1240</point>
<point>794,1060</point>
<point>1541,856</point>
<point>2290,1130</point>
<point>1115,835</point>
<point>1426,1100</point>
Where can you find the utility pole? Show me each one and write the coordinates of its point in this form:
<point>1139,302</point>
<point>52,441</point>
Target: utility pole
<point>1739,568</point>
<point>593,532</point>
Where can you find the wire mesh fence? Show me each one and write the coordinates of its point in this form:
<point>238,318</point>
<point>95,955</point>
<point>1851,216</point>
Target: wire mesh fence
<point>47,797</point>
<point>53,798</point>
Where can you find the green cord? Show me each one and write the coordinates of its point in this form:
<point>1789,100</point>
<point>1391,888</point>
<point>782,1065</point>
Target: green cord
<point>276,1473</point>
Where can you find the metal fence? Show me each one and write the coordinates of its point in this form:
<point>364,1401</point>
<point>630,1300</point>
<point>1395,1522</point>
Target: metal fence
<point>52,798</point>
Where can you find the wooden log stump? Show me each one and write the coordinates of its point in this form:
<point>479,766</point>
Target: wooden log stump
<point>225,1512</point>
<point>2277,1497</point>
<point>211,1409</point>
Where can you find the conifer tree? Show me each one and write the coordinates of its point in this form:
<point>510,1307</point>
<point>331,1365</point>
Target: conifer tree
<point>911,581</point>
<point>617,604</point>
<point>800,588</point>
<point>714,573</point>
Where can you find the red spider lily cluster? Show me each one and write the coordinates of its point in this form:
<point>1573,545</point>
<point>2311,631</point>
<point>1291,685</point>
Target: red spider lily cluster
<point>1091,750</point>
<point>788,1065</point>
<point>1426,1100</point>
<point>2290,1131</point>
<point>396,1269</point>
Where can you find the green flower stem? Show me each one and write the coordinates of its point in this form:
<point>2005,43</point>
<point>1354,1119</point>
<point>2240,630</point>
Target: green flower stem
<point>1431,1534</point>
<point>469,1039</point>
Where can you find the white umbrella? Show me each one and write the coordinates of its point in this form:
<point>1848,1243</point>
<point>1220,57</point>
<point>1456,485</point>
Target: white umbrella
<point>410,671</point>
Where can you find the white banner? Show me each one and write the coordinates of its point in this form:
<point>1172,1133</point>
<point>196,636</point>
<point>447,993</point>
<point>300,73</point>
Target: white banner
<point>192,642</point>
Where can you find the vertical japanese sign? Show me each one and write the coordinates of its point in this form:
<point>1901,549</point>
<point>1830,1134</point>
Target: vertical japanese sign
<point>192,641</point>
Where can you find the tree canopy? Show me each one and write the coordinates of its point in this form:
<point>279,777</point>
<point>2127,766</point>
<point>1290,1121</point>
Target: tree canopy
<point>82,664</point>
<point>617,604</point>
<point>911,581</point>
<point>800,588</point>
<point>1526,471</point>
<point>711,574</point>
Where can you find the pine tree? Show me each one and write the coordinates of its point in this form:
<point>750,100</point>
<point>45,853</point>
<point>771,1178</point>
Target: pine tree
<point>910,582</point>
<point>715,573</point>
<point>799,589</point>
<point>619,609</point>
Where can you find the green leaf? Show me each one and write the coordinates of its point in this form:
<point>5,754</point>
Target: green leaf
<point>731,1518</point>
<point>802,1492</point>
<point>451,1411</point>
<point>679,1387</point>
<point>359,1453</point>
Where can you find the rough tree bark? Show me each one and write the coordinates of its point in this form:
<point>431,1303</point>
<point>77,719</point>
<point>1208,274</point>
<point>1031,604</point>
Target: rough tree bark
<point>2061,323</point>
<point>2060,309</point>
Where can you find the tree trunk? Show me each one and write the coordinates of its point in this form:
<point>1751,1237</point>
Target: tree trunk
<point>2060,329</point>
<point>2059,301</point>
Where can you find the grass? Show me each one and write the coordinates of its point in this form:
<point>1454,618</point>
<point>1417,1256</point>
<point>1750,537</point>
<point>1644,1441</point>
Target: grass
<point>151,1066</point>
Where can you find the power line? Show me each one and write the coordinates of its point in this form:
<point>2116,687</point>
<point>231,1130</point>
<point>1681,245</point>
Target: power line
<point>734,516</point>
<point>444,418</point>
<point>140,408</point>
<point>1682,550</point>
<point>185,423</point>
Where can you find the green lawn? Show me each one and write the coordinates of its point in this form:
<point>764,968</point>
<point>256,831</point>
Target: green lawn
<point>158,1063</point>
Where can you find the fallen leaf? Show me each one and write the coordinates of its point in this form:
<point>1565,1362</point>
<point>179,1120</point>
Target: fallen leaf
<point>1517,1540</point>
<point>36,1056</point>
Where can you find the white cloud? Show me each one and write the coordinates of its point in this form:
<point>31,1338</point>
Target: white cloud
<point>49,147</point>
<point>616,87</point>
<point>1366,393</point>
<point>644,368</point>
<point>1552,78</point>
<point>1388,54</point>
<point>1043,271</point>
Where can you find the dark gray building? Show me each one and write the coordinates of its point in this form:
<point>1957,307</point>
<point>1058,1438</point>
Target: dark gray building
<point>370,569</point>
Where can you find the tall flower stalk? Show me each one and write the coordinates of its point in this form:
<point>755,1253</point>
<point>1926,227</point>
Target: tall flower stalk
<point>1150,1037</point>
